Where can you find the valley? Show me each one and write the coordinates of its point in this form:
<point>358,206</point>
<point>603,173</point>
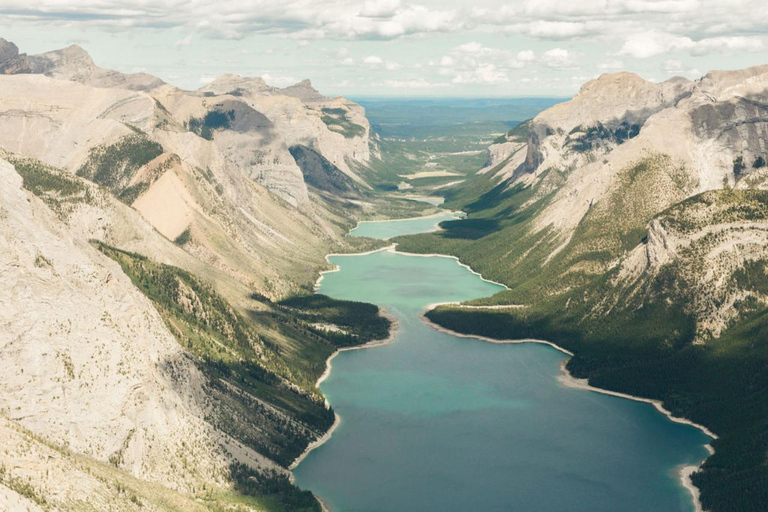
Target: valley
<point>166,340</point>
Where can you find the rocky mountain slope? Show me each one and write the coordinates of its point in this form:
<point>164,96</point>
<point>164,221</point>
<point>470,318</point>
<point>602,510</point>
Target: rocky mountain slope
<point>633,232</point>
<point>105,377</point>
<point>200,152</point>
<point>153,244</point>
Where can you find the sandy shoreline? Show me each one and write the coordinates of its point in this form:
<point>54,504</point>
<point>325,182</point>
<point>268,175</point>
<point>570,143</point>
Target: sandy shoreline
<point>393,248</point>
<point>568,380</point>
<point>439,214</point>
<point>393,331</point>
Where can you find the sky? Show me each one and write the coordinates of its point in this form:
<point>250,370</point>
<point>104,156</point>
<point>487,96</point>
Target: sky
<point>426,48</point>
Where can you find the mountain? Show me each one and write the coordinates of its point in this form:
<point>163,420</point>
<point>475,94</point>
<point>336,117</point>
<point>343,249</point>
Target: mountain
<point>200,151</point>
<point>630,225</point>
<point>158,247</point>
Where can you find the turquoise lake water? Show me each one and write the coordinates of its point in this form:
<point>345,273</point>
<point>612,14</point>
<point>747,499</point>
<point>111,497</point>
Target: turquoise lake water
<point>390,229</point>
<point>434,422</point>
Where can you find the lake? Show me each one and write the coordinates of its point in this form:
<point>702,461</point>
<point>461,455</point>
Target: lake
<point>435,422</point>
<point>389,229</point>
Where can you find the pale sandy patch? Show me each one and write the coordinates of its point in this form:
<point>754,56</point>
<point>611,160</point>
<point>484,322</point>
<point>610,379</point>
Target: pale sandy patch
<point>166,206</point>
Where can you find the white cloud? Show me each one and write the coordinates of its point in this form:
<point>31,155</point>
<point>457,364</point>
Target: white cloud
<point>418,83</point>
<point>301,19</point>
<point>557,58</point>
<point>526,56</point>
<point>278,80</point>
<point>678,68</point>
<point>379,8</point>
<point>475,63</point>
<point>650,44</point>
<point>373,60</point>
<point>482,74</point>
<point>555,29</point>
<point>183,42</point>
<point>591,35</point>
<point>720,44</point>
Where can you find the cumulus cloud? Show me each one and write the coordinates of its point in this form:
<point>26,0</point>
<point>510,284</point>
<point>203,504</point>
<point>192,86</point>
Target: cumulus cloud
<point>650,44</point>
<point>482,74</point>
<point>380,8</point>
<point>303,19</point>
<point>557,58</point>
<point>526,56</point>
<point>183,42</point>
<point>544,29</point>
<point>278,80</point>
<point>678,68</point>
<point>474,63</point>
<point>591,35</point>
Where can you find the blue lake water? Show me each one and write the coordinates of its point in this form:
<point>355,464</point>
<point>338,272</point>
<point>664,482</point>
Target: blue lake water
<point>434,422</point>
<point>390,229</point>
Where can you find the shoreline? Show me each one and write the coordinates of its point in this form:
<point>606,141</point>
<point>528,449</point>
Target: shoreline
<point>336,267</point>
<point>393,248</point>
<point>393,332</point>
<point>456,215</point>
<point>438,214</point>
<point>566,379</point>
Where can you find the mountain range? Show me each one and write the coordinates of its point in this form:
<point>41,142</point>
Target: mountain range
<point>159,247</point>
<point>630,224</point>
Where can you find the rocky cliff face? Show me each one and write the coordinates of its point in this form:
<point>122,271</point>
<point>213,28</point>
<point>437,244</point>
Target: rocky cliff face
<point>89,362</point>
<point>299,115</point>
<point>110,127</point>
<point>714,128</point>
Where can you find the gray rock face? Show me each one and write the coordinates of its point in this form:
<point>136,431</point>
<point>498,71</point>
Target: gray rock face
<point>607,111</point>
<point>71,63</point>
<point>740,124</point>
<point>11,62</point>
<point>8,51</point>
<point>303,91</point>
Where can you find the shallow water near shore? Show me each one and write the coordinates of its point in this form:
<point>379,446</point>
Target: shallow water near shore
<point>434,422</point>
<point>385,230</point>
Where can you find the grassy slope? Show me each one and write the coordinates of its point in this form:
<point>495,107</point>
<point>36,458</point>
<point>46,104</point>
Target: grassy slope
<point>253,375</point>
<point>643,346</point>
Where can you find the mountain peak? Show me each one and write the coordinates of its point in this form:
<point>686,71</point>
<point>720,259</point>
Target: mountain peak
<point>303,91</point>
<point>231,82</point>
<point>8,50</point>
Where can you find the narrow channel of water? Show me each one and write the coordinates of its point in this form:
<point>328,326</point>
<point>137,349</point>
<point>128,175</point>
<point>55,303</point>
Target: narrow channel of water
<point>433,422</point>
